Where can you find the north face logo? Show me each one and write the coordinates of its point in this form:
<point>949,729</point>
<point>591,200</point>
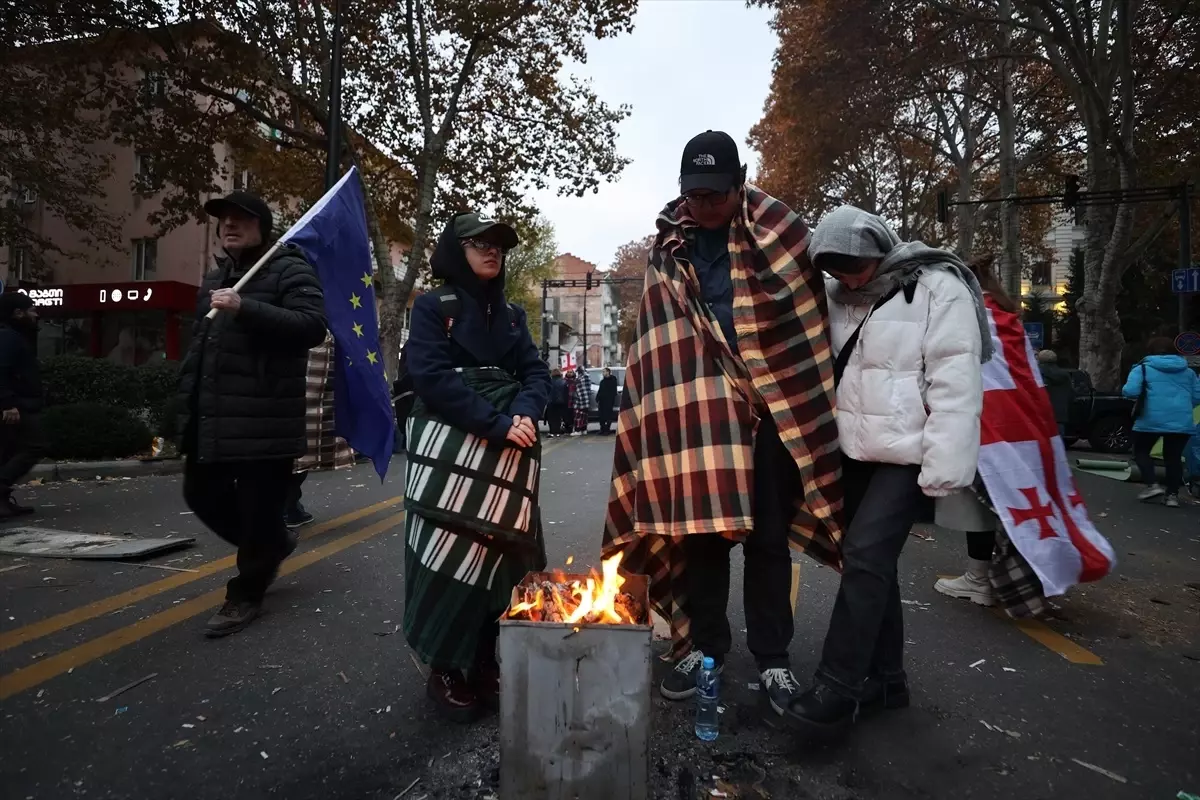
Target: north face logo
<point>704,160</point>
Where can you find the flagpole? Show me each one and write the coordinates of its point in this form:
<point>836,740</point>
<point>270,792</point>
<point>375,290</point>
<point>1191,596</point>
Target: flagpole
<point>333,158</point>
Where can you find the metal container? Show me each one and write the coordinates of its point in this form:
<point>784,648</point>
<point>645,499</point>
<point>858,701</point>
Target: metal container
<point>575,707</point>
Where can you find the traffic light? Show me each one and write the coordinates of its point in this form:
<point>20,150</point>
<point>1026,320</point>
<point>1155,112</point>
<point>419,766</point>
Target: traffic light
<point>943,206</point>
<point>588,288</point>
<point>1071,194</point>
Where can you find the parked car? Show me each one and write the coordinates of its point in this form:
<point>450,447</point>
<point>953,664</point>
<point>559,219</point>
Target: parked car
<point>1104,419</point>
<point>596,374</point>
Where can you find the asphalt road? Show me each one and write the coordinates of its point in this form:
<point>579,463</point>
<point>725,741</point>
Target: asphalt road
<point>321,698</point>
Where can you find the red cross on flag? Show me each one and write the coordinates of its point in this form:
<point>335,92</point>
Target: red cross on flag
<point>1023,463</point>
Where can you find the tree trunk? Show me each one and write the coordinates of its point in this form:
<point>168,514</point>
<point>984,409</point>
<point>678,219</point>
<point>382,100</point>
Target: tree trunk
<point>396,297</point>
<point>1100,339</point>
<point>1010,220</point>
<point>965,214</point>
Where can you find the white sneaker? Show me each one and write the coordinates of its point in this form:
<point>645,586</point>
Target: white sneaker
<point>973,585</point>
<point>1150,492</point>
<point>1172,501</point>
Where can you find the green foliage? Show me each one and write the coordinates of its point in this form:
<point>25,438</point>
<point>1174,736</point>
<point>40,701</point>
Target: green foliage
<point>146,390</point>
<point>89,431</point>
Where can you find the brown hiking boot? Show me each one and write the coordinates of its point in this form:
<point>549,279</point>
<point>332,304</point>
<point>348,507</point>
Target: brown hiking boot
<point>450,690</point>
<point>232,617</point>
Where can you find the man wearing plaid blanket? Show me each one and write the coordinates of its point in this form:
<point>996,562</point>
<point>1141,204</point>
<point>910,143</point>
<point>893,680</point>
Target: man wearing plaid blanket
<point>726,433</point>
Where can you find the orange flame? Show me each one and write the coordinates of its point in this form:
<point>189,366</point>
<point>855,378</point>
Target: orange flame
<point>597,599</point>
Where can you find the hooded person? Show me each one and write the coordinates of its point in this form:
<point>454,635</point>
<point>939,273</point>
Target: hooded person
<point>480,389</point>
<point>909,332</point>
<point>241,388</point>
<point>22,443</point>
<point>726,432</point>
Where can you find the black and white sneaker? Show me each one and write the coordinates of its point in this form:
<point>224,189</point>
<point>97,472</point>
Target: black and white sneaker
<point>680,684</point>
<point>780,687</point>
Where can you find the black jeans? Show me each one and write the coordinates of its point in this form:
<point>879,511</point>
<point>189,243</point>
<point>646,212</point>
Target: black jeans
<point>866,630</point>
<point>606,422</point>
<point>292,504</point>
<point>767,582</point>
<point>556,418</point>
<point>1173,446</point>
<point>22,445</point>
<point>243,502</point>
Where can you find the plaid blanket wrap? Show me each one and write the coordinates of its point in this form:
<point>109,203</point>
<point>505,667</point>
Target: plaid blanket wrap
<point>456,478</point>
<point>1017,588</point>
<point>685,432</point>
<point>326,450</point>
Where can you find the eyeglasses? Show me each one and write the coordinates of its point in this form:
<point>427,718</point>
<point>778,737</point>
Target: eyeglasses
<point>706,199</point>
<point>481,245</point>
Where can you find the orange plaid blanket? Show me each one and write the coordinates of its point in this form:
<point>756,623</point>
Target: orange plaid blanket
<point>685,433</point>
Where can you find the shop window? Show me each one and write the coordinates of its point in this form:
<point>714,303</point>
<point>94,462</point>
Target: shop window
<point>133,339</point>
<point>145,259</point>
<point>64,337</point>
<point>1041,274</point>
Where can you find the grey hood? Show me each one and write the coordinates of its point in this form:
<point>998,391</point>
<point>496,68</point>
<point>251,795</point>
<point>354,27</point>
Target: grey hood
<point>853,232</point>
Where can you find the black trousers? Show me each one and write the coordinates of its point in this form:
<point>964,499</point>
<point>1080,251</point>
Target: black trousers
<point>556,418</point>
<point>767,582</point>
<point>243,503</point>
<point>866,630</point>
<point>292,505</point>
<point>606,421</point>
<point>1173,447</point>
<point>22,445</point>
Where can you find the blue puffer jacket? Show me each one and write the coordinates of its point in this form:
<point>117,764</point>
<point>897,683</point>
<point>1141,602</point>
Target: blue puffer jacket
<point>1172,391</point>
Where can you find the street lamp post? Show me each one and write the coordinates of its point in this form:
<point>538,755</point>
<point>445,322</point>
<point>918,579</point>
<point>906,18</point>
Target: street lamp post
<point>333,157</point>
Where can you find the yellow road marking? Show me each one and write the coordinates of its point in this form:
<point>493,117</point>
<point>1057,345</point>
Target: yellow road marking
<point>1042,633</point>
<point>795,585</point>
<point>58,622</point>
<point>28,677</point>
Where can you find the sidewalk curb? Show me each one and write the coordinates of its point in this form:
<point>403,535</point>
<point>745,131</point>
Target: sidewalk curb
<point>51,472</point>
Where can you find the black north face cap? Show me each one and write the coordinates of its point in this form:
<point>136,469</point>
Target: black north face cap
<point>710,161</point>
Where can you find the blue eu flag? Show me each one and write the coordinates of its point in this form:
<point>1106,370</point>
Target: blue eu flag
<point>333,235</point>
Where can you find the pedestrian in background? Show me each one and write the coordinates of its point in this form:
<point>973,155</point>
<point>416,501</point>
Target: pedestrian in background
<point>326,450</point>
<point>910,332</point>
<point>582,401</point>
<point>1165,390</point>
<point>481,388</point>
<point>572,381</point>
<point>1058,385</point>
<point>22,443</point>
<point>606,401</point>
<point>242,388</point>
<point>559,407</point>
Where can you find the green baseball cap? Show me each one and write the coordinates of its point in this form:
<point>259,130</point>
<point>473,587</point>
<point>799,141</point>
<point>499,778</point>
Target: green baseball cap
<point>469,226</point>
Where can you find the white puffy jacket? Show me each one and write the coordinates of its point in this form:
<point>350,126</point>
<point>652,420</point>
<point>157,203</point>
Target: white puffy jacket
<point>912,392</point>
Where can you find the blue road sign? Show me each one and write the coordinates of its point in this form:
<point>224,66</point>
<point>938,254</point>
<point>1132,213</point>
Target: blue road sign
<point>1036,333</point>
<point>1185,281</point>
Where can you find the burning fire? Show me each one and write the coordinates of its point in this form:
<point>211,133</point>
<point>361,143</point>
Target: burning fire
<point>596,599</point>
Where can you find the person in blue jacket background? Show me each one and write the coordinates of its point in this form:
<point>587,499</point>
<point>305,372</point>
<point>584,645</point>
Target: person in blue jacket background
<point>1168,390</point>
<point>458,576</point>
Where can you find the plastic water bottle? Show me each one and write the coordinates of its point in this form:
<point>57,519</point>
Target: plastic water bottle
<point>708,694</point>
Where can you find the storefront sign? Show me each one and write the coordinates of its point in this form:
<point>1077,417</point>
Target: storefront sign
<point>44,297</point>
<point>131,296</point>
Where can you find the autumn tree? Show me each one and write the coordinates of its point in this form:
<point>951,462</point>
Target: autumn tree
<point>629,264</point>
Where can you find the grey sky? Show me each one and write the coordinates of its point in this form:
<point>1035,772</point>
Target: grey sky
<point>690,65</point>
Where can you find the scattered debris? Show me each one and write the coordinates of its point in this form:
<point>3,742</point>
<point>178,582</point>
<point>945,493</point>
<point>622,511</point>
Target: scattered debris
<point>263,753</point>
<point>270,666</point>
<point>1008,669</point>
<point>121,710</point>
<point>342,675</point>
<point>1160,601</point>
<point>1101,770</point>
<point>238,729</point>
<point>420,670</point>
<point>922,536</point>
<point>40,693</point>
<point>276,690</point>
<point>388,633</point>
<point>182,743</point>
<point>977,663</point>
<point>14,566</point>
<point>202,718</point>
<point>164,566</point>
<point>754,687</point>
<point>407,790</point>
<point>126,688</point>
<point>188,725</point>
<point>998,729</point>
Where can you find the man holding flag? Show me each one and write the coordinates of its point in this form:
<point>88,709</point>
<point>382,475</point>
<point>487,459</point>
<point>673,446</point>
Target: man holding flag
<point>242,390</point>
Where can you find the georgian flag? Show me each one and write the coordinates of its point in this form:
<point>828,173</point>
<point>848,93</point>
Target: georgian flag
<point>1023,463</point>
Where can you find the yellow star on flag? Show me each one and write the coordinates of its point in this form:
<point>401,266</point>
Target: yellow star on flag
<point>356,301</point>
<point>372,356</point>
<point>366,279</point>
<point>357,328</point>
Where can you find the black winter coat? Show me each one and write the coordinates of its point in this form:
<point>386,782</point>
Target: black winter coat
<point>20,377</point>
<point>242,381</point>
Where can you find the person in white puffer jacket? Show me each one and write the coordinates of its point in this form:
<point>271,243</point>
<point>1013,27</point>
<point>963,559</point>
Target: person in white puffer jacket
<point>909,333</point>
